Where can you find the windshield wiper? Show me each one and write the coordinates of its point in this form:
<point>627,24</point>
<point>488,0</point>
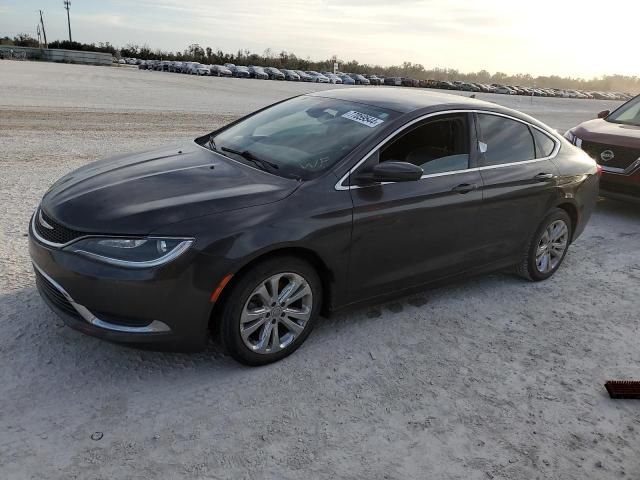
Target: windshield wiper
<point>247,155</point>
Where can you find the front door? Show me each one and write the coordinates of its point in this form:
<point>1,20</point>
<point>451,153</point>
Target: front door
<point>408,233</point>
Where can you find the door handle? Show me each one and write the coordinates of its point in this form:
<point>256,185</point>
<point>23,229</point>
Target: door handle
<point>465,188</point>
<point>544,176</point>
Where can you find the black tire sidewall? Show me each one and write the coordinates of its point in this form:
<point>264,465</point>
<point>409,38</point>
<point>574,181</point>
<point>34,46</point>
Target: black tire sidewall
<point>557,214</point>
<point>232,311</point>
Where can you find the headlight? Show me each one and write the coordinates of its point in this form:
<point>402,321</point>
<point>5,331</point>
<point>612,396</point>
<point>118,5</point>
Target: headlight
<point>132,252</point>
<point>569,135</point>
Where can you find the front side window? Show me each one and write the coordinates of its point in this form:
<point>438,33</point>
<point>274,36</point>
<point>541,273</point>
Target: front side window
<point>506,140</point>
<point>439,145</point>
<point>302,137</point>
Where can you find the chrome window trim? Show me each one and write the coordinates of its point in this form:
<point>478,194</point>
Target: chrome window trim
<point>340,187</point>
<point>156,326</point>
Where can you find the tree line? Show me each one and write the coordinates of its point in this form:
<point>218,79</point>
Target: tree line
<point>283,59</point>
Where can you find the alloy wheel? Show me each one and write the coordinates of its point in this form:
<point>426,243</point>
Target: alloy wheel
<point>276,313</point>
<point>552,246</point>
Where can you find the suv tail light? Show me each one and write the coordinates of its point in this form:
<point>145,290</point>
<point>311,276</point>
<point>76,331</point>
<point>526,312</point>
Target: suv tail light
<point>599,167</point>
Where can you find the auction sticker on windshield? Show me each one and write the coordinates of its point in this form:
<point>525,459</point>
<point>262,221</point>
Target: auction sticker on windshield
<point>362,118</point>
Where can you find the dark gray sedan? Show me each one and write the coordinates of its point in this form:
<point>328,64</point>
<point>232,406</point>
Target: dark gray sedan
<point>321,202</point>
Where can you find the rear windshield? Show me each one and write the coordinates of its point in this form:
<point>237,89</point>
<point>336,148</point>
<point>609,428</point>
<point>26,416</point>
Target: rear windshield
<point>304,136</point>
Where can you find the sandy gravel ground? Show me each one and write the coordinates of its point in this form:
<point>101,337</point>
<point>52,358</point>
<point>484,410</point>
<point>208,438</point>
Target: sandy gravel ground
<point>490,378</point>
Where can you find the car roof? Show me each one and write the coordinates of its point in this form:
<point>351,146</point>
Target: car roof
<point>405,100</point>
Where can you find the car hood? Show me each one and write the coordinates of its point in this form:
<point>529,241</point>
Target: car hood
<point>601,131</point>
<point>140,193</point>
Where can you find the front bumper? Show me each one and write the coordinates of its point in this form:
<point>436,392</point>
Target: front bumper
<point>81,318</point>
<point>621,187</point>
<point>165,306</point>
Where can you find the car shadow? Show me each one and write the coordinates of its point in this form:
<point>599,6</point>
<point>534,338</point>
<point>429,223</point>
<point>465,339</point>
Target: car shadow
<point>34,338</point>
<point>35,335</point>
<point>627,210</point>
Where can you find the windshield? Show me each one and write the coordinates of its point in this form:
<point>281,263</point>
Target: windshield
<point>628,114</point>
<point>302,137</point>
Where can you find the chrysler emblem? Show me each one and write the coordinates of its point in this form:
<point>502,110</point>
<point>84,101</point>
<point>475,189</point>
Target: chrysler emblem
<point>607,155</point>
<point>43,222</point>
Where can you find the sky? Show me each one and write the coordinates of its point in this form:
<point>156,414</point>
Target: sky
<point>584,38</point>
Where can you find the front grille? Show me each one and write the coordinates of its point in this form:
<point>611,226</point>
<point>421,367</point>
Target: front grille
<point>623,156</point>
<point>58,233</point>
<point>54,295</point>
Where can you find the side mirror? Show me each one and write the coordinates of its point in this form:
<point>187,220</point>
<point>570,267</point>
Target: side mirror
<point>604,113</point>
<point>392,171</point>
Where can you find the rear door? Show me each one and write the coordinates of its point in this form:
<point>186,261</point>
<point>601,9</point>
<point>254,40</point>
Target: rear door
<point>407,233</point>
<point>519,178</point>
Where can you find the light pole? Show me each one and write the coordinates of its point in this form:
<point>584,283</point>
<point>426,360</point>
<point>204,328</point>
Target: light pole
<point>44,32</point>
<point>67,5</point>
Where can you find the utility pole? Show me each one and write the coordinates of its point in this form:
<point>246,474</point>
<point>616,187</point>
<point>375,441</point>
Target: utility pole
<point>67,4</point>
<point>44,33</point>
<point>39,36</point>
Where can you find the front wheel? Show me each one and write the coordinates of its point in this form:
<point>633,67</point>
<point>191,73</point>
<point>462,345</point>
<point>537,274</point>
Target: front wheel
<point>547,248</point>
<point>271,310</point>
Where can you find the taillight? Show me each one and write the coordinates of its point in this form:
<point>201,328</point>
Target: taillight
<point>599,169</point>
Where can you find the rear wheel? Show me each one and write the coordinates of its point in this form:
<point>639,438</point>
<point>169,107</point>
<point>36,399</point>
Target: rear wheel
<point>547,248</point>
<point>271,310</point>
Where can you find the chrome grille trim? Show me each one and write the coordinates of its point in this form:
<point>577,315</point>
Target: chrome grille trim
<point>34,228</point>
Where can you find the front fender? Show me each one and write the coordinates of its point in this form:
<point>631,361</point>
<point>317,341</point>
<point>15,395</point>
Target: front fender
<point>313,218</point>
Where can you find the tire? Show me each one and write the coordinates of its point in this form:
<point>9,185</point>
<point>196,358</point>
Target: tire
<point>534,266</point>
<point>250,307</point>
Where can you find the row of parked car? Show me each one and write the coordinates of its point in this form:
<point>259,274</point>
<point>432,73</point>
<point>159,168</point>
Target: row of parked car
<point>518,90</point>
<point>272,73</point>
<point>258,72</point>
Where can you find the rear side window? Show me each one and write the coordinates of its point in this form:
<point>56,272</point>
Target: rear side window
<point>507,140</point>
<point>544,144</point>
